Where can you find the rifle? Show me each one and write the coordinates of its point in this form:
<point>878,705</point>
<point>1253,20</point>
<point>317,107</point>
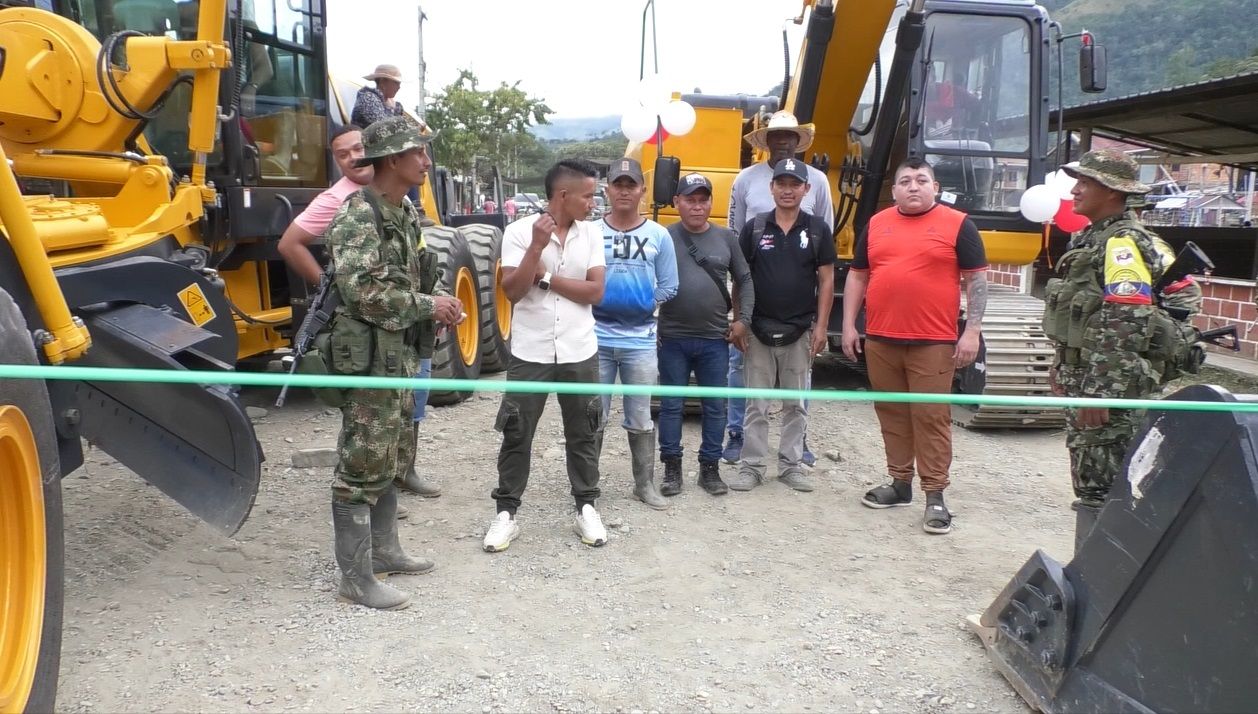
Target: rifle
<point>322,307</point>
<point>1190,260</point>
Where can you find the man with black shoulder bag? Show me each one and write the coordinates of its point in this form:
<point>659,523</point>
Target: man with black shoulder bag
<point>696,329</point>
<point>791,255</point>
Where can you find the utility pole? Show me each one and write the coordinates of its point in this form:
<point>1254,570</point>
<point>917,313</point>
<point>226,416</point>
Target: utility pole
<point>420,110</point>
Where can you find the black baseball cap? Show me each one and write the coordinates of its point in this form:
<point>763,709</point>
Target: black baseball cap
<point>625,167</point>
<point>791,167</point>
<point>693,182</point>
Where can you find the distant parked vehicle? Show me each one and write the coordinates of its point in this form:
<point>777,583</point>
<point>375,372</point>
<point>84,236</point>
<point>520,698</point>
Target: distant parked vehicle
<point>528,203</point>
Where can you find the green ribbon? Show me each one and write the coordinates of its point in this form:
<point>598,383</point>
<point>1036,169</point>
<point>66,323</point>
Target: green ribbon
<point>276,379</point>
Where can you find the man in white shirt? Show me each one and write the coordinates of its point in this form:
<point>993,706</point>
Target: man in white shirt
<point>552,271</point>
<point>783,137</point>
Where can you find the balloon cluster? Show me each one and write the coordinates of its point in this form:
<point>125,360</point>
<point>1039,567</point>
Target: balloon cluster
<point>655,108</point>
<point>1051,202</point>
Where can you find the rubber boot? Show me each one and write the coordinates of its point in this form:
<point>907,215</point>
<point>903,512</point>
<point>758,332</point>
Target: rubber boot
<point>351,523</point>
<point>671,485</point>
<point>1085,519</point>
<point>642,448</point>
<point>415,483</point>
<point>387,556</point>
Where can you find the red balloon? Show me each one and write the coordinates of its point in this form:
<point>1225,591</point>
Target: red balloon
<point>1069,221</point>
<point>662,134</point>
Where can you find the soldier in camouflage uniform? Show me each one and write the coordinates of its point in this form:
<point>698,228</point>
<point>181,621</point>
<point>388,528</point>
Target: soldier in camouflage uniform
<point>389,306</point>
<point>1098,311</point>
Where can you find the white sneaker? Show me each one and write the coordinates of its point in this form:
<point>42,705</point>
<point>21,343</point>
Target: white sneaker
<point>501,532</point>
<point>589,526</point>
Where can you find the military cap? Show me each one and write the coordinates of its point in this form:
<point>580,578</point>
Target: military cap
<point>1111,168</point>
<point>392,136</point>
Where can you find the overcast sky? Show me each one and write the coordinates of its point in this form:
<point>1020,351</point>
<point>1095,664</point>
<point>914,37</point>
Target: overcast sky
<point>581,56</point>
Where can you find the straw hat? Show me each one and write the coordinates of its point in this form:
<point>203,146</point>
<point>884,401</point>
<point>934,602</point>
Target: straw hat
<point>782,121</point>
<point>385,71</point>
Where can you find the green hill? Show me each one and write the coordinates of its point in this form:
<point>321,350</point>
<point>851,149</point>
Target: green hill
<point>1153,44</point>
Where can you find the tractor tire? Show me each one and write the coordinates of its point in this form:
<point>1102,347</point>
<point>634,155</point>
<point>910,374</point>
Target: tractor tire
<point>495,308</point>
<point>458,351</point>
<point>32,548</point>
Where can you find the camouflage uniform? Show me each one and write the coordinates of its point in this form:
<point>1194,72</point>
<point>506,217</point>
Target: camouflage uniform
<point>384,324</point>
<point>1115,262</point>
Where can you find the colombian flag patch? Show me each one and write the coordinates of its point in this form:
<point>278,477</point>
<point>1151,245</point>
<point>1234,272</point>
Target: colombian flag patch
<point>1127,278</point>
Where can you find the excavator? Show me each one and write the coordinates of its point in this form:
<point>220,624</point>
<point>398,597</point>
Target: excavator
<point>964,85</point>
<point>1156,610</point>
<point>153,151</point>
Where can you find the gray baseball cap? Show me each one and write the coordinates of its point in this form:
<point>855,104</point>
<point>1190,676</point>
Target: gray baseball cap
<point>625,167</point>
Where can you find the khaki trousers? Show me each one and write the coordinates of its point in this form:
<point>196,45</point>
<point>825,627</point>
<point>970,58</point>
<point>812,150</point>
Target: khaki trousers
<point>914,434</point>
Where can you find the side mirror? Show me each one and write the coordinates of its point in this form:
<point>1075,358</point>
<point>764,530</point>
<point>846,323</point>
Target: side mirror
<point>1092,68</point>
<point>667,176</point>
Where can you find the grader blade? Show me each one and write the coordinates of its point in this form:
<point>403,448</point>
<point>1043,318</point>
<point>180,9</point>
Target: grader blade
<point>193,442</point>
<point>1158,610</point>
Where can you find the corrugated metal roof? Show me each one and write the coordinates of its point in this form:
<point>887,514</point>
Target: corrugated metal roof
<point>1214,120</point>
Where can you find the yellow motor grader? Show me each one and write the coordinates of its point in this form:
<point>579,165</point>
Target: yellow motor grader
<point>154,151</point>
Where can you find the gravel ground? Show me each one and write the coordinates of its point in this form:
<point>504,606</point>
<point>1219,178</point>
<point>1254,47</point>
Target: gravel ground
<point>768,600</point>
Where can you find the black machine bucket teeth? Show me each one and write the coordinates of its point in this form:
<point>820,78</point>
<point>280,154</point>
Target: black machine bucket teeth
<point>194,442</point>
<point>1158,610</point>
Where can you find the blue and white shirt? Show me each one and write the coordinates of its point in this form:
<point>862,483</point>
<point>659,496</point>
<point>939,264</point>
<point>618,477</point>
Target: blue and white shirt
<point>641,274</point>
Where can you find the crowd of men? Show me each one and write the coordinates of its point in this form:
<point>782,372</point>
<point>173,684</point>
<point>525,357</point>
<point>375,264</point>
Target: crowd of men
<point>627,299</point>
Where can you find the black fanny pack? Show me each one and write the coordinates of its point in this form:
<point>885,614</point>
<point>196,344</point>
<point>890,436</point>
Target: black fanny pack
<point>776,333</point>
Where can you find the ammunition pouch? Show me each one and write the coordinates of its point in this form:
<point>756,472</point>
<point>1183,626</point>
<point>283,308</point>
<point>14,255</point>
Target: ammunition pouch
<point>316,361</point>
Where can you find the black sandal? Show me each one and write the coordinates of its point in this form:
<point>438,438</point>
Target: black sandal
<point>938,520</point>
<point>889,495</point>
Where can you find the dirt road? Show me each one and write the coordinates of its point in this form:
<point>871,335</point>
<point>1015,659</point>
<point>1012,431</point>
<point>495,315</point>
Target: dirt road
<point>768,600</point>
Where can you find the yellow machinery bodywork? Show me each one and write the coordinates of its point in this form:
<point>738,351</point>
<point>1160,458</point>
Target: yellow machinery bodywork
<point>715,146</point>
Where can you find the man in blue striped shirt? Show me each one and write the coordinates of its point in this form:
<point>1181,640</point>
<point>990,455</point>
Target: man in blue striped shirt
<point>641,274</point>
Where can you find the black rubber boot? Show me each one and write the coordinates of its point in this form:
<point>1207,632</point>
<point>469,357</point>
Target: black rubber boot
<point>642,450</point>
<point>671,485</point>
<point>710,478</point>
<point>415,483</point>
<point>1085,520</point>
<point>387,556</point>
<point>352,525</point>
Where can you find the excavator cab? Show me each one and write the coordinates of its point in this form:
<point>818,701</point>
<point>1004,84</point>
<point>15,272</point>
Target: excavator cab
<point>975,115</point>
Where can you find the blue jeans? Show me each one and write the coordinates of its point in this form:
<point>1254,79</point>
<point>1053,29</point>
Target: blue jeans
<point>421,395</point>
<point>737,407</point>
<point>635,366</point>
<point>708,360</point>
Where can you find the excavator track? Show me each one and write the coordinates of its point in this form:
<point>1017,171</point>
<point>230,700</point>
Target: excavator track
<point>1018,358</point>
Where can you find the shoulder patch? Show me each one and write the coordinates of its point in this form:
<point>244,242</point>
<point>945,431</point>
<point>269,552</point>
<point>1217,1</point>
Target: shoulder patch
<point>1127,279</point>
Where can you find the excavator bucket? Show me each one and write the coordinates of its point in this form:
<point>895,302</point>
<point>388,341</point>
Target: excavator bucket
<point>1158,610</point>
<point>193,442</point>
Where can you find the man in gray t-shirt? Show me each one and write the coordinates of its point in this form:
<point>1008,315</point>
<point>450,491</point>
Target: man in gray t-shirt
<point>695,329</point>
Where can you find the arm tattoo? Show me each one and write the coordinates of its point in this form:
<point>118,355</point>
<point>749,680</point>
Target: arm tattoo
<point>975,298</point>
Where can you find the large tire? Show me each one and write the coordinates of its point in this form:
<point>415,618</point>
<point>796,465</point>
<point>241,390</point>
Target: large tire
<point>31,540</point>
<point>458,351</point>
<point>495,308</point>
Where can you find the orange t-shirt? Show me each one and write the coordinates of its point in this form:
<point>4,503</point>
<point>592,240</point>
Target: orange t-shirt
<point>915,265</point>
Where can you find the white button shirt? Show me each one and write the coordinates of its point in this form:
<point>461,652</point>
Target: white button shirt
<point>546,327</point>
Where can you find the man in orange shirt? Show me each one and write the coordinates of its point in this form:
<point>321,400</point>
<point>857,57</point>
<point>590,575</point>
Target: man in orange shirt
<point>910,265</point>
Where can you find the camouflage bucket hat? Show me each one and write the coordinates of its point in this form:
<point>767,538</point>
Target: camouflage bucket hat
<point>393,136</point>
<point>1111,168</point>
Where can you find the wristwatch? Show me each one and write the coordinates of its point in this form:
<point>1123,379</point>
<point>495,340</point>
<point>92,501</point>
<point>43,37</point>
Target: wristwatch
<point>544,283</point>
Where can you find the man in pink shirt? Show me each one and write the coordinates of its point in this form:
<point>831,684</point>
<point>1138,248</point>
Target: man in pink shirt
<point>308,227</point>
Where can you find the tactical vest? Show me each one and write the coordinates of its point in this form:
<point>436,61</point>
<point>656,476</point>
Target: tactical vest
<point>1073,300</point>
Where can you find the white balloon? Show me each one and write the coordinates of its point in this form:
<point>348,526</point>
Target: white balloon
<point>637,124</point>
<point>678,117</point>
<point>1039,203</point>
<point>653,93</point>
<point>1062,183</point>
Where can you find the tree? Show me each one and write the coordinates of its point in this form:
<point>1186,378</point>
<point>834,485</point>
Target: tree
<point>1181,67</point>
<point>488,123</point>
